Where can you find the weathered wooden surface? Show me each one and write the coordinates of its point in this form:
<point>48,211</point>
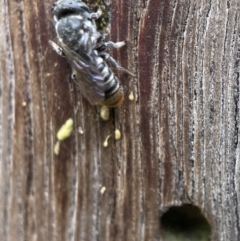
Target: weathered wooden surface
<point>179,137</point>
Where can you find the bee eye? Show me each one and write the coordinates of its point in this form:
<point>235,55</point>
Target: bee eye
<point>64,13</point>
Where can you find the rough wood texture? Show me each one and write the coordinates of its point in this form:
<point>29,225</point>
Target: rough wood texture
<point>179,137</point>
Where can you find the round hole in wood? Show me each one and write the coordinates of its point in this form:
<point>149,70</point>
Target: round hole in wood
<point>184,223</point>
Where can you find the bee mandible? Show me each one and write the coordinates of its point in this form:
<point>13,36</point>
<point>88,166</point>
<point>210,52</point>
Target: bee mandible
<point>86,51</point>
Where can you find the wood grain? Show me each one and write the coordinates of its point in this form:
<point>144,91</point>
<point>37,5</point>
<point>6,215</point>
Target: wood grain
<point>180,135</point>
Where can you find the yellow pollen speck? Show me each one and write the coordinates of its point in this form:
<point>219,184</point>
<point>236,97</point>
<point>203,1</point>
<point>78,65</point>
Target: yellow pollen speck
<point>57,148</point>
<point>105,143</point>
<point>117,134</point>
<point>104,113</point>
<point>102,190</point>
<point>66,130</point>
<point>131,96</point>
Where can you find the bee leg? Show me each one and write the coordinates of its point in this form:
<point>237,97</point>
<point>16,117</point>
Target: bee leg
<point>105,36</point>
<point>96,15</point>
<point>102,38</point>
<point>56,48</point>
<point>109,44</point>
<point>116,45</point>
<point>114,63</point>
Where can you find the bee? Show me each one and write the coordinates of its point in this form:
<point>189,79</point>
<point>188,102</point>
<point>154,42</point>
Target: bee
<point>86,51</point>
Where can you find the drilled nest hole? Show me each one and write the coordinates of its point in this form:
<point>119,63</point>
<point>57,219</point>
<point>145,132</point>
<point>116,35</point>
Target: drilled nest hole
<point>185,223</point>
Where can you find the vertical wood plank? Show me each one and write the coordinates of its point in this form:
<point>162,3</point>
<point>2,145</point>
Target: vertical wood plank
<point>180,134</point>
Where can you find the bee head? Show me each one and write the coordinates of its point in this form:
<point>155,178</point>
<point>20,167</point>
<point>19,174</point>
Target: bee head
<point>70,31</point>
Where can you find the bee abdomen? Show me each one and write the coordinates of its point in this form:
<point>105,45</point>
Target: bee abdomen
<point>114,94</point>
<point>114,98</point>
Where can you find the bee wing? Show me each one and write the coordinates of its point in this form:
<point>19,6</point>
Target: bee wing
<point>84,65</point>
